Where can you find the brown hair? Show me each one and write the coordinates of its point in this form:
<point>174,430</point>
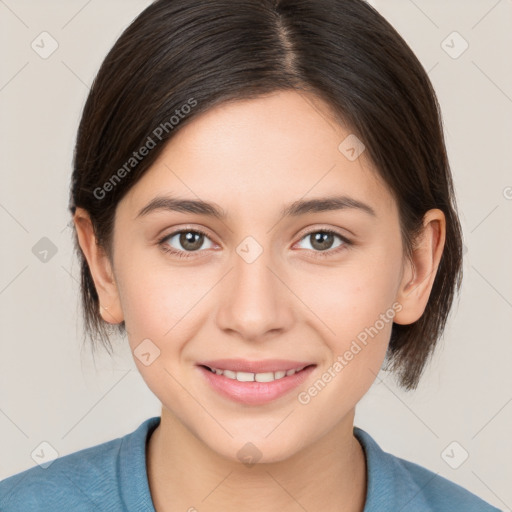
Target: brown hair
<point>200,54</point>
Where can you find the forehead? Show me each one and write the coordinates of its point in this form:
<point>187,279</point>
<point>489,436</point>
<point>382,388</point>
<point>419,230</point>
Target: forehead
<point>261,153</point>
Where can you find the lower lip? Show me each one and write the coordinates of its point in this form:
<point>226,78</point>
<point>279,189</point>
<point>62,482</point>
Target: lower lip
<point>255,393</point>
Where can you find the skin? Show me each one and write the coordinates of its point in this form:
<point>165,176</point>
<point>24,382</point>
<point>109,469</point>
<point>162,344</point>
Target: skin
<point>251,158</point>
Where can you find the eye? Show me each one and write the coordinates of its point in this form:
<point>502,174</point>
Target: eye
<point>184,241</point>
<point>321,242</point>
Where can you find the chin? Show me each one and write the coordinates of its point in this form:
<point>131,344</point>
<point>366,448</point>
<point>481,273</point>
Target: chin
<point>258,450</point>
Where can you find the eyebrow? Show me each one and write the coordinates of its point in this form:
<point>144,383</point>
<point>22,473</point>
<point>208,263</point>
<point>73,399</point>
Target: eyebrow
<point>295,209</point>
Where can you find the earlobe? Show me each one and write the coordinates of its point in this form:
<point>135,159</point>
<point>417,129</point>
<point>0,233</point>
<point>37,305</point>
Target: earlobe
<point>100,268</point>
<point>419,273</point>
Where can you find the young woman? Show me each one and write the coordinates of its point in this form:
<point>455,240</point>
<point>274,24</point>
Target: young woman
<point>262,202</point>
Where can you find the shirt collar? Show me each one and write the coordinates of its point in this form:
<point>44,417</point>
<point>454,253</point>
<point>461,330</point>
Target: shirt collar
<point>134,490</point>
<point>389,484</point>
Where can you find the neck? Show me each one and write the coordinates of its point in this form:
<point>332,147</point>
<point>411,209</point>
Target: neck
<point>185,474</point>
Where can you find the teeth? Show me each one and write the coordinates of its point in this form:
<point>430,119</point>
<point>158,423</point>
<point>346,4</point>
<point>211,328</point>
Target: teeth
<point>258,377</point>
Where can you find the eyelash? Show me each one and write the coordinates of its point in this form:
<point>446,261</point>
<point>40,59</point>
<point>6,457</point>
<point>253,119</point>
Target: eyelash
<point>189,254</point>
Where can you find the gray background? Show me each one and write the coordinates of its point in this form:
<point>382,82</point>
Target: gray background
<point>50,389</point>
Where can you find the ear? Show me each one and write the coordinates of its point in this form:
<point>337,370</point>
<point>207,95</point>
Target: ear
<point>419,274</point>
<point>100,267</point>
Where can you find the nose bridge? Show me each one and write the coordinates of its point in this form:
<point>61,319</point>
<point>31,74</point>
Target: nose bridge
<point>254,303</point>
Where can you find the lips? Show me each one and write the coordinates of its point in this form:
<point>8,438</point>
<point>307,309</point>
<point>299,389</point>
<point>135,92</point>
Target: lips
<point>263,366</point>
<point>257,388</point>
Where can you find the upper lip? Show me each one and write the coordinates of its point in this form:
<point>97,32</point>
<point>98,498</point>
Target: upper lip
<point>244,365</point>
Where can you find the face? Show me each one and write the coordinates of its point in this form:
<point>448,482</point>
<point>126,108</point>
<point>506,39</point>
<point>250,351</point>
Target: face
<point>317,287</point>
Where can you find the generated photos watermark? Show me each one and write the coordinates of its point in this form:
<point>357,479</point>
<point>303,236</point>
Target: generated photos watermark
<point>357,345</point>
<point>156,136</point>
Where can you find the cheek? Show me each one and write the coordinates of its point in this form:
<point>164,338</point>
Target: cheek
<point>161,304</point>
<point>356,312</point>
<point>155,297</point>
<point>355,306</point>
<point>351,298</point>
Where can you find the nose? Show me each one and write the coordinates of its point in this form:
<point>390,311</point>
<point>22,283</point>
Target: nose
<point>254,301</point>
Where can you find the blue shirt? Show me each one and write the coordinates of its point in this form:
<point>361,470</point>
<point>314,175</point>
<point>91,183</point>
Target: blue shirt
<point>112,476</point>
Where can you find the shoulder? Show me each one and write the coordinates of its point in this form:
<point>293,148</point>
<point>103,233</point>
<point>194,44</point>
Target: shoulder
<point>74,482</point>
<point>407,486</point>
<point>85,480</point>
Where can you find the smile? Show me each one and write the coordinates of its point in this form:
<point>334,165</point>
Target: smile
<point>256,387</point>
<point>255,377</point>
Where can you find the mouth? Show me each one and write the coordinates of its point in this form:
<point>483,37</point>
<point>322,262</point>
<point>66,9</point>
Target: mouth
<point>254,383</point>
<point>242,376</point>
